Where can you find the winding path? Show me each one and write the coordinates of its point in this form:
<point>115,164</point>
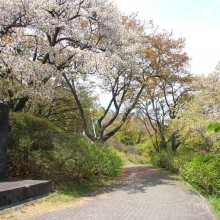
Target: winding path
<point>146,193</point>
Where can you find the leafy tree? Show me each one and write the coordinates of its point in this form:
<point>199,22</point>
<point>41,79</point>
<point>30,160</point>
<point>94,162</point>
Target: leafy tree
<point>85,44</point>
<point>117,74</point>
<point>199,112</point>
<point>41,39</point>
<point>132,132</point>
<point>62,111</point>
<point>45,42</point>
<point>164,94</point>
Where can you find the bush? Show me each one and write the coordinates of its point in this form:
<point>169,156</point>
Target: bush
<point>37,149</point>
<point>82,159</point>
<point>28,136</point>
<point>165,160</point>
<point>129,154</point>
<point>202,171</point>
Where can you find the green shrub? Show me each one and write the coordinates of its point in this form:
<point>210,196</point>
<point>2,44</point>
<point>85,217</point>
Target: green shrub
<point>215,201</point>
<point>204,173</point>
<point>165,160</point>
<point>28,136</point>
<point>145,147</point>
<point>129,154</point>
<point>37,149</point>
<point>30,131</point>
<point>82,159</point>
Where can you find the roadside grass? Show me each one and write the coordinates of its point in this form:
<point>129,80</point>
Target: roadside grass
<point>131,158</point>
<point>215,202</point>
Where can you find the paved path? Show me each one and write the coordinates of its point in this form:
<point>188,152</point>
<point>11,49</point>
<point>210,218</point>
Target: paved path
<point>146,194</point>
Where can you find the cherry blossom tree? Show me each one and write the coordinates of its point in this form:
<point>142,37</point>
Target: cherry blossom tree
<point>46,42</point>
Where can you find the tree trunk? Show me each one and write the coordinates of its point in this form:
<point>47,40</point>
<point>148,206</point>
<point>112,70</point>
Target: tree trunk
<point>20,104</point>
<point>163,144</point>
<point>4,110</point>
<point>173,142</point>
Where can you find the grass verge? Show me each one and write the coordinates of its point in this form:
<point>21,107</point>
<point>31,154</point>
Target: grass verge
<point>64,195</point>
<point>215,202</point>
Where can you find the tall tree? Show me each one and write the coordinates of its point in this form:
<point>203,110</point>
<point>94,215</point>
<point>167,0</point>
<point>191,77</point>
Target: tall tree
<point>45,42</point>
<point>41,39</point>
<point>198,112</point>
<point>164,93</point>
<point>71,40</point>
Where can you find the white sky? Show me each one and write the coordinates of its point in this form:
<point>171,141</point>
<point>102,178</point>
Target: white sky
<point>196,20</point>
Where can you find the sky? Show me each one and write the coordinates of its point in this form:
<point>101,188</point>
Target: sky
<point>198,21</point>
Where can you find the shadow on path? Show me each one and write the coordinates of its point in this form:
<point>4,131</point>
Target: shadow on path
<point>136,179</point>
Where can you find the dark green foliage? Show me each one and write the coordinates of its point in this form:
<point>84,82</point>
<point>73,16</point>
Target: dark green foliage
<point>29,131</point>
<point>28,136</point>
<point>38,149</point>
<point>214,127</point>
